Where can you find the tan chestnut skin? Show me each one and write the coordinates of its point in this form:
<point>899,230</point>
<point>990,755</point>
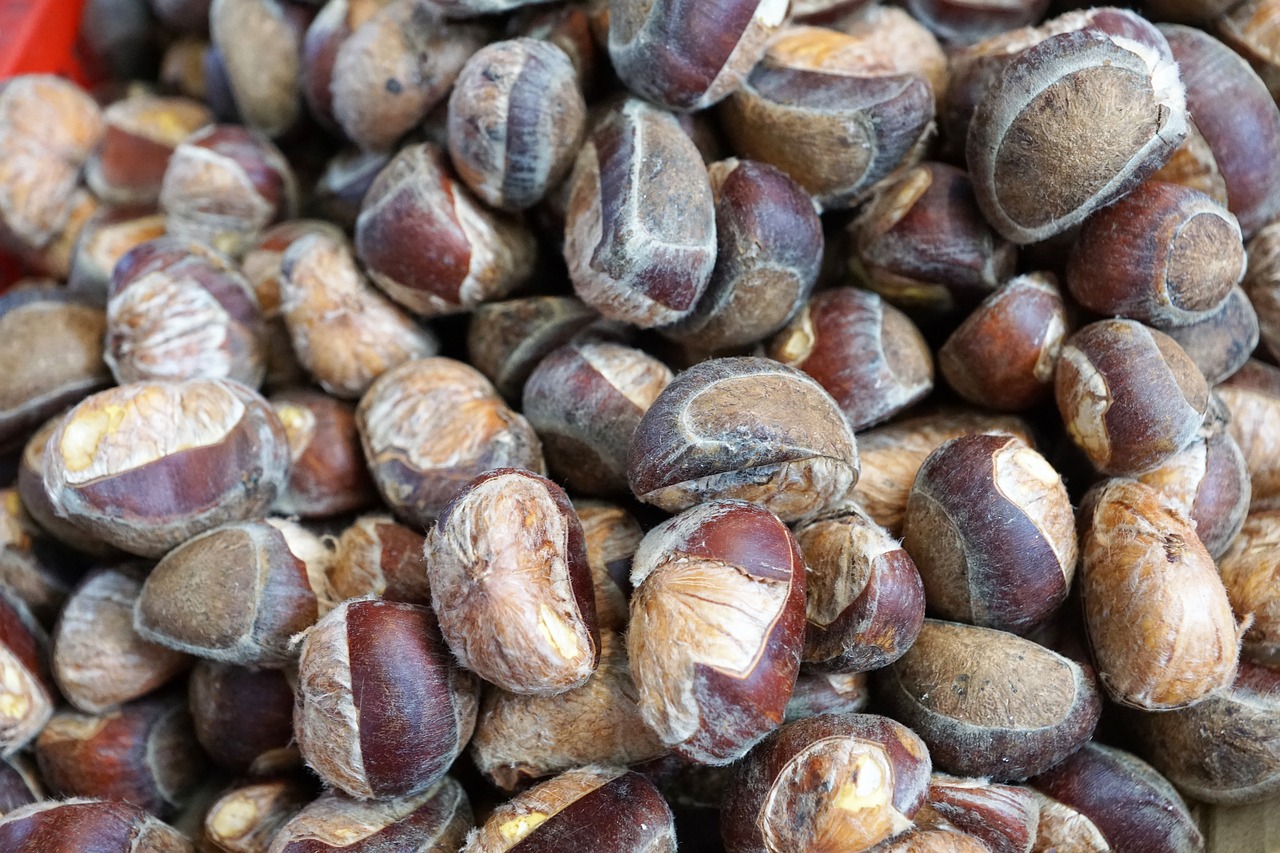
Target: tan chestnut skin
<point>243,717</point>
<point>327,474</point>
<point>139,135</point>
<point>864,599</point>
<point>436,820</point>
<point>594,808</point>
<point>119,468</point>
<point>612,535</point>
<point>507,564</point>
<point>1249,567</point>
<point>247,817</point>
<point>1164,253</point>
<point>1130,397</point>
<point>1003,355</point>
<point>865,353</point>
<point>747,429</point>
<point>713,685</point>
<point>989,703</point>
<point>376,556</point>
<point>585,401</point>
<point>1177,642</point>
<point>382,709</point>
<point>990,527</point>
<point>1252,396</point>
<point>1262,285</point>
<point>1130,803</point>
<point>27,692</point>
<point>106,237</point>
<point>629,257</point>
<point>76,825</point>
<point>1004,817</point>
<point>260,45</point>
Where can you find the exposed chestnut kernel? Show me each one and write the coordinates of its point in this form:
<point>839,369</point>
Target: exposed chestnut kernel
<point>260,43</point>
<point>478,255</point>
<point>431,426</point>
<point>640,243</point>
<point>768,252</point>
<point>522,738</point>
<point>1130,397</point>
<point>77,825</point>
<point>394,68</point>
<point>238,593</point>
<point>922,244</point>
<point>1163,253</point>
<point>1224,749</point>
<point>1032,145</point>
<point>20,784</point>
<point>891,456</point>
<point>1004,817</point>
<point>585,401</point>
<point>382,709</point>
<point>506,340</point>
<point>243,717</point>
<point>875,777</point>
<point>327,475</point>
<point>717,628</point>
<point>835,117</point>
<point>510,582</point>
<point>827,693</point>
<point>990,703</point>
<point>864,352</point>
<point>1239,121</point>
<point>1208,482</point>
<point>595,808</point>
<point>1176,643</point>
<point>375,556</point>
<point>147,466</point>
<point>33,569</point>
<point>51,349</point>
<point>1003,355</point>
<point>437,819</point>
<point>339,190</point>
<point>345,333</point>
<point>139,136</point>
<point>1132,805</point>
<point>1249,568</point>
<point>246,818</point>
<point>224,185</point>
<point>516,119</point>
<point>98,660</point>
<point>1262,284</point>
<point>1222,340</point>
<point>106,237</point>
<point>745,428</point>
<point>612,535</point>
<point>687,59</point>
<point>177,310</point>
<point>27,693</point>
<point>1252,396</point>
<point>990,527</point>
<point>144,752</point>
<point>864,599</point>
<point>48,126</point>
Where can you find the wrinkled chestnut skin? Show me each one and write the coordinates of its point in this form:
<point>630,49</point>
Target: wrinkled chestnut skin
<point>1176,642</point>
<point>595,808</point>
<point>507,564</point>
<point>249,815</point>
<point>864,598</point>
<point>139,135</point>
<point>376,556</point>
<point>145,467</point>
<point>748,429</point>
<point>435,821</point>
<point>27,692</point>
<point>327,474</point>
<point>989,703</point>
<point>1134,806</point>
<point>717,628</point>
<point>243,717</point>
<point>1004,817</point>
<point>874,776</point>
<point>990,527</point>
<point>827,693</point>
<point>81,825</point>
<point>1252,396</point>
<point>382,709</point>
<point>1249,568</point>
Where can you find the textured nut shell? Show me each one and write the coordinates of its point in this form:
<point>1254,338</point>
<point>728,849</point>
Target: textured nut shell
<point>1004,817</point>
<point>105,239</point>
<point>77,825</point>
<point>34,569</point>
<point>1252,396</point>
<point>507,564</point>
<point>139,135</point>
<point>990,703</point>
<point>716,631</point>
<point>1250,571</point>
<point>327,474</point>
<point>246,818</point>
<point>1158,618</point>
<point>376,556</point>
<point>260,44</point>
<point>612,535</point>
<point>243,717</point>
<point>27,695</point>
<point>1221,341</point>
<point>145,467</point>
<point>1063,828</point>
<point>827,693</point>
<point>744,428</point>
<point>1262,284</point>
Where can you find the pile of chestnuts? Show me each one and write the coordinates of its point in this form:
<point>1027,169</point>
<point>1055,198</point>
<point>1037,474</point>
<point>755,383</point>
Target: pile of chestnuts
<point>622,426</point>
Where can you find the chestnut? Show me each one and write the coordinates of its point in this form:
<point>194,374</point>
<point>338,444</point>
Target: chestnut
<point>1004,817</point>
<point>1064,828</point>
<point>33,568</point>
<point>77,825</point>
<point>1221,341</point>
<point>20,784</point>
<point>376,556</point>
<point>827,693</point>
<point>27,693</point>
<point>1252,397</point>
<point>435,820</point>
<point>260,44</point>
<point>1249,567</point>
<point>1262,285</point>
<point>989,703</point>
<point>139,135</point>
<point>612,535</point>
<point>327,474</point>
<point>507,564</point>
<point>243,718</point>
<point>717,628</point>
<point>382,710</point>
<point>108,235</point>
<point>341,187</point>
<point>744,428</point>
<point>246,818</point>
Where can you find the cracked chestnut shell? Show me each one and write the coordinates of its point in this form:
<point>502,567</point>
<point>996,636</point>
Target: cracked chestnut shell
<point>77,825</point>
<point>435,821</point>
